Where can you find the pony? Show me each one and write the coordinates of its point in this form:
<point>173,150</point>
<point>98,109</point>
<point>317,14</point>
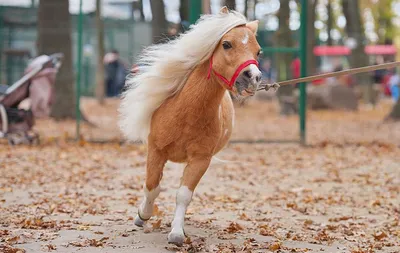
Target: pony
<point>179,103</point>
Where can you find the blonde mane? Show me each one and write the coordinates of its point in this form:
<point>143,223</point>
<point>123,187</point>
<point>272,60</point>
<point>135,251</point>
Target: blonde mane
<point>164,69</point>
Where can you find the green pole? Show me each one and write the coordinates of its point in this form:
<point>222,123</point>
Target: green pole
<point>79,68</point>
<point>195,10</point>
<point>303,59</point>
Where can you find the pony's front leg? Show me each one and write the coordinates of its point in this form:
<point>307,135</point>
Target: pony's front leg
<point>192,174</point>
<point>155,165</point>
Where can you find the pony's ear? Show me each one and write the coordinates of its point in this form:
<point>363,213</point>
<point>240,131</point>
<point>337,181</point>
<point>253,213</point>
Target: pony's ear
<point>224,10</point>
<point>253,26</point>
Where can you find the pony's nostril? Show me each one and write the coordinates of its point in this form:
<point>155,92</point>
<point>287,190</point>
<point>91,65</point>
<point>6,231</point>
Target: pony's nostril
<point>258,78</point>
<point>247,74</point>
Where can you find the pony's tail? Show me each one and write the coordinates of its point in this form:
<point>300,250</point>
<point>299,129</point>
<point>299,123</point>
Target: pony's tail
<point>137,107</point>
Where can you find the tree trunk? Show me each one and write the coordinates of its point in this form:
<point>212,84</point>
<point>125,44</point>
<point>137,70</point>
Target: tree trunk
<point>246,7</point>
<point>54,35</point>
<point>329,23</point>
<point>284,39</point>
<point>159,22</point>
<point>100,83</point>
<point>140,2</point>
<point>254,8</point>
<point>206,7</point>
<point>358,58</point>
<point>184,10</point>
<point>231,4</point>
<point>311,60</point>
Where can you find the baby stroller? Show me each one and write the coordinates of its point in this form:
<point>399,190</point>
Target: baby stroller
<point>37,86</point>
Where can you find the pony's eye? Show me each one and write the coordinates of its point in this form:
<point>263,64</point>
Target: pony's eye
<point>226,45</point>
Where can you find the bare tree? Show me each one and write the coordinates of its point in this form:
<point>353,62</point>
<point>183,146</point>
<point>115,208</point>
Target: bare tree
<point>159,22</point>
<point>246,7</point>
<point>284,39</point>
<point>358,58</point>
<point>140,6</point>
<point>54,35</point>
<point>254,8</point>
<point>311,60</point>
<point>231,4</point>
<point>206,6</point>
<point>329,23</point>
<point>184,10</point>
<point>100,85</point>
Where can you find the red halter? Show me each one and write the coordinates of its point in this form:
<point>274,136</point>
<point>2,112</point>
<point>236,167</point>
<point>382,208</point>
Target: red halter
<point>235,75</point>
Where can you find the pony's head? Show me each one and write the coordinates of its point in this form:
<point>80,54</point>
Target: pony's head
<point>234,60</point>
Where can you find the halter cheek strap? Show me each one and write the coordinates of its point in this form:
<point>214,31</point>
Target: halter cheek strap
<point>235,75</point>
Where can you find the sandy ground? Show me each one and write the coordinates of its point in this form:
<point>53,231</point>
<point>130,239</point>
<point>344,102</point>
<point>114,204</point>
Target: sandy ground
<point>340,194</point>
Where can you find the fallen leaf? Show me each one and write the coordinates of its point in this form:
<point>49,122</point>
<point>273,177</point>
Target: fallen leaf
<point>233,228</point>
<point>275,246</point>
<point>157,224</point>
<point>380,235</point>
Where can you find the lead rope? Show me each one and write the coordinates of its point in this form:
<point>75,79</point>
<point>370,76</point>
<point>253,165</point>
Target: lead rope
<point>266,86</point>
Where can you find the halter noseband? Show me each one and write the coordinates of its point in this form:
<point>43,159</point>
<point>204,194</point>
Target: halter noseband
<point>235,75</point>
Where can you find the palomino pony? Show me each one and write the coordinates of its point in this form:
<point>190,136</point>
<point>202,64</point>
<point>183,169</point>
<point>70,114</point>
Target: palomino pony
<point>179,103</point>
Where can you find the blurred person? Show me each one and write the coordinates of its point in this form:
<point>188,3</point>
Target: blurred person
<point>115,73</point>
<point>379,74</point>
<point>295,68</point>
<point>266,70</point>
<point>385,83</point>
<point>394,84</point>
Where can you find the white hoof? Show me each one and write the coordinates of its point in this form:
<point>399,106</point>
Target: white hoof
<point>177,237</point>
<point>138,221</point>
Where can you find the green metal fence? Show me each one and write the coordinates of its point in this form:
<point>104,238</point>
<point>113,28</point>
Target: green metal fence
<point>195,10</point>
<point>18,35</point>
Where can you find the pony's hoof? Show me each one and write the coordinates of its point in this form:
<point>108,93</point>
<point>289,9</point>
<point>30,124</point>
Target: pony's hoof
<point>176,237</point>
<point>138,221</point>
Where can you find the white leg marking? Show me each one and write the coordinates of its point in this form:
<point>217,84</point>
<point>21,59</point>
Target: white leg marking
<point>146,207</point>
<point>183,199</point>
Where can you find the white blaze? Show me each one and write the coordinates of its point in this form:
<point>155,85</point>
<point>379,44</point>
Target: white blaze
<point>246,38</point>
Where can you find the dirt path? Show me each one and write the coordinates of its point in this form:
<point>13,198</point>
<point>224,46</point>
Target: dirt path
<point>341,194</point>
<point>73,198</point>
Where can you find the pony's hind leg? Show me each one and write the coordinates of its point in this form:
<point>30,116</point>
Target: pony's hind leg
<point>155,165</point>
<point>192,174</point>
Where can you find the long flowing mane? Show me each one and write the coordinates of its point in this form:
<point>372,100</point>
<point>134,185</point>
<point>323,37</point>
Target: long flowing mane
<point>165,69</point>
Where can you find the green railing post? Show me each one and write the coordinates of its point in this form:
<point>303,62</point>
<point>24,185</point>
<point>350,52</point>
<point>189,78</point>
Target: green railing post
<point>79,72</point>
<point>280,50</point>
<point>195,7</point>
<point>303,59</point>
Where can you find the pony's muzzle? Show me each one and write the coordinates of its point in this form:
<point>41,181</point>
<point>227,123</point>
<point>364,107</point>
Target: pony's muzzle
<point>248,81</point>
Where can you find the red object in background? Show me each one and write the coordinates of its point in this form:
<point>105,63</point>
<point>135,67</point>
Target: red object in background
<point>381,49</point>
<point>318,82</point>
<point>386,86</point>
<point>343,50</point>
<point>295,67</point>
<point>331,50</point>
